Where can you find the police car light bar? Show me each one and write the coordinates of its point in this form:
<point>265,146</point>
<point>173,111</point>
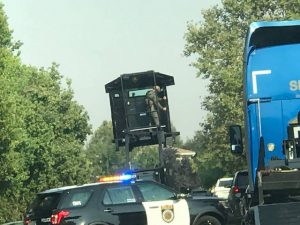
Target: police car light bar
<point>117,178</point>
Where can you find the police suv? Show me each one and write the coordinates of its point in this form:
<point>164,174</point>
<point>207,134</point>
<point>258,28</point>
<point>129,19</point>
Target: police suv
<point>122,200</point>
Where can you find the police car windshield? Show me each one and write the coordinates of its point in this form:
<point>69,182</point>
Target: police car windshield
<point>154,192</point>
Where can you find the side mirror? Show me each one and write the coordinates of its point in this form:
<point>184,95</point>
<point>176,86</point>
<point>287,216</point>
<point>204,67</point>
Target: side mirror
<point>236,141</point>
<point>185,190</point>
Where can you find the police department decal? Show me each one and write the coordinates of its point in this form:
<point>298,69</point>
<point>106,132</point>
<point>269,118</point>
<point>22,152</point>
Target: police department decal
<point>167,213</point>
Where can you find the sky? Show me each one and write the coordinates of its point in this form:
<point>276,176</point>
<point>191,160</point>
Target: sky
<point>95,41</point>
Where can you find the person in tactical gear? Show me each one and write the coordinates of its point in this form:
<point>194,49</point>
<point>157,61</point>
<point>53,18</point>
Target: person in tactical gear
<point>153,104</point>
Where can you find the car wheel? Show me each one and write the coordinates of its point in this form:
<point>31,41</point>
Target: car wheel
<point>208,220</point>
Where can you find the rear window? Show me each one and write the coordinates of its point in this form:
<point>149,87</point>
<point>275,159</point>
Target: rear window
<point>225,183</point>
<point>45,203</point>
<point>242,180</point>
<point>76,199</point>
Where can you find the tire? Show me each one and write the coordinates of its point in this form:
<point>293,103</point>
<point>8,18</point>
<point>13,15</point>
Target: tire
<point>208,220</point>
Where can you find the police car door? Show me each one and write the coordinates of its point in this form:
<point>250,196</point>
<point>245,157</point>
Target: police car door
<point>160,208</point>
<point>121,207</point>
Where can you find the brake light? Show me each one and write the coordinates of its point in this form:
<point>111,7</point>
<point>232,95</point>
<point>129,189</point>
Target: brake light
<point>27,221</point>
<point>236,189</point>
<point>56,218</point>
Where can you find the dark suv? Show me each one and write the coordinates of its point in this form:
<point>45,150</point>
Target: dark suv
<point>237,191</point>
<point>122,203</point>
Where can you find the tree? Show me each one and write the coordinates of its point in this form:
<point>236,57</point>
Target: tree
<point>56,128</point>
<point>5,33</point>
<point>42,130</point>
<point>217,42</point>
<point>180,173</point>
<point>145,157</point>
<point>12,172</point>
<point>42,136</point>
<point>102,153</point>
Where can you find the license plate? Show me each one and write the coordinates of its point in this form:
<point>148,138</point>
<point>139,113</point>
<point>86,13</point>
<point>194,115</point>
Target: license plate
<point>46,220</point>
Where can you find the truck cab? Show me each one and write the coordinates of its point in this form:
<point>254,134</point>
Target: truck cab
<point>272,122</point>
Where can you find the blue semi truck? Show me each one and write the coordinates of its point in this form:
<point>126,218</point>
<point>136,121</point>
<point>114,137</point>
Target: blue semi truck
<point>272,124</point>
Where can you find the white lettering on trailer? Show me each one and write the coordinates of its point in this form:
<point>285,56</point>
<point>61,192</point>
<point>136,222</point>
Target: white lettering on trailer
<point>295,85</point>
<point>256,73</point>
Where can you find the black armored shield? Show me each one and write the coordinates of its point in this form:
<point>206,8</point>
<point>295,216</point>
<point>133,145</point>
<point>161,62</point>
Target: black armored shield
<point>130,114</point>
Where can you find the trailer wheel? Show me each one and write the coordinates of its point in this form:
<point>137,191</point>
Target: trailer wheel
<point>208,220</point>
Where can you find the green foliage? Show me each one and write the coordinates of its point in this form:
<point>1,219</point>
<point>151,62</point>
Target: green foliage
<point>145,157</point>
<point>217,42</point>
<point>42,131</point>
<point>42,136</point>
<point>180,173</point>
<point>102,152</point>
<point>12,164</point>
<point>56,127</point>
<point>5,33</point>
